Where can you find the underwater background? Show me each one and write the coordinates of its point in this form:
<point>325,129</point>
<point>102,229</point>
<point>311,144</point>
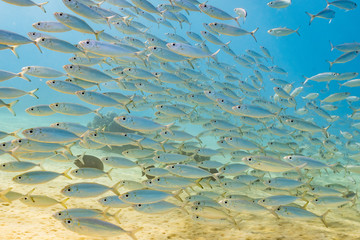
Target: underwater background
<point>303,55</point>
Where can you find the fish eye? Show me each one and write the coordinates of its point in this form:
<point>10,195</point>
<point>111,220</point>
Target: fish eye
<point>60,14</point>
<point>25,198</point>
<point>313,188</point>
<point>158,157</point>
<point>291,120</point>
<point>230,139</point>
<point>263,200</point>
<point>95,134</point>
<point>87,42</point>
<point>69,221</point>
<point>19,177</point>
<point>158,179</point>
<point>249,159</point>
<point>173,44</point>
<point>124,118</point>
<point>70,67</point>
<point>31,131</point>
<point>56,105</point>
<point>58,124</point>
<point>226,202</point>
<point>197,217</point>
<point>126,195</point>
<point>224,168</point>
<point>316,200</point>
<point>205,5</point>
<point>269,181</point>
<point>59,213</point>
<point>196,208</point>
<point>53,81</point>
<point>139,205</point>
<point>39,24</point>
<point>290,158</point>
<point>34,34</point>
<point>215,24</point>
<point>69,189</point>
<point>76,171</point>
<point>172,166</point>
<point>278,208</point>
<point>4,165</point>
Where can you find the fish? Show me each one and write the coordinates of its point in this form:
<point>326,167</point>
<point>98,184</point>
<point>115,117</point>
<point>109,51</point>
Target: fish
<point>327,13</point>
<point>94,227</point>
<point>145,196</point>
<point>283,31</point>
<point>217,13</point>
<point>86,190</point>
<point>344,58</point>
<point>299,213</point>
<point>27,3</point>
<point>10,92</point>
<point>229,30</point>
<point>11,38</point>
<point>75,23</point>
<point>49,26</point>
<point>343,4</point>
<point>39,177</point>
<point>279,4</point>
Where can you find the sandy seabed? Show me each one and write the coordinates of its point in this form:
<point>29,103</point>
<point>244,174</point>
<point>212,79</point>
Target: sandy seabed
<point>18,221</point>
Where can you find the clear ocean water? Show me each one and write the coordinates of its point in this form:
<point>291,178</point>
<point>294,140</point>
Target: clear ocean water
<point>300,56</point>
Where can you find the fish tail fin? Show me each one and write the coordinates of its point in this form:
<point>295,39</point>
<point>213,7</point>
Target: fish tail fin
<point>13,49</point>
<point>11,153</point>
<point>37,45</point>
<point>63,202</point>
<point>68,148</point>
<point>306,80</point>
<point>132,233</point>
<point>253,33</point>
<point>163,143</point>
<point>96,111</point>
<point>97,33</point>
<point>15,133</point>
<point>108,173</point>
<point>327,4</point>
<point>312,16</point>
<point>331,45</point>
<point>177,195</point>
<point>22,75</point>
<point>237,20</point>
<point>114,188</point>
<point>32,93</point>
<point>213,56</point>
<point>331,64</point>
<point>3,193</point>
<point>325,131</point>
<point>297,31</point>
<point>65,173</point>
<point>11,105</point>
<point>197,182</point>
<point>322,218</point>
<point>116,216</point>
<point>41,5</point>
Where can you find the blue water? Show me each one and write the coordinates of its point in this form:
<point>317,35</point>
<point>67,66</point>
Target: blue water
<point>303,55</point>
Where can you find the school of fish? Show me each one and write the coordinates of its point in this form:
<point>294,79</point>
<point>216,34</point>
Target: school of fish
<point>271,151</point>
